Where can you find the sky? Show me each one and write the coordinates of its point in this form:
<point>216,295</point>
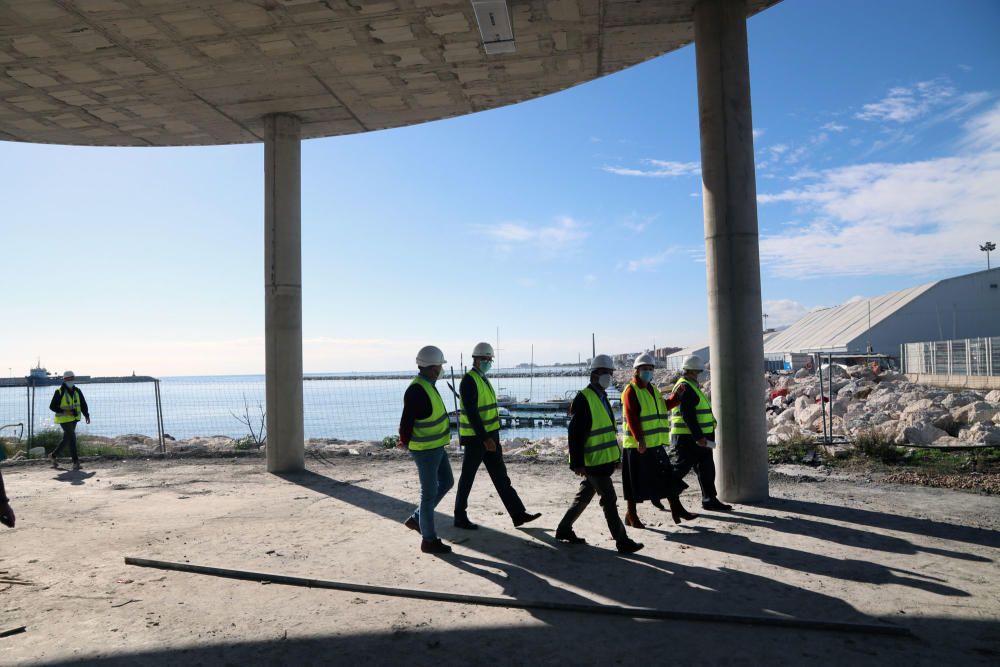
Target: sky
<point>877,142</point>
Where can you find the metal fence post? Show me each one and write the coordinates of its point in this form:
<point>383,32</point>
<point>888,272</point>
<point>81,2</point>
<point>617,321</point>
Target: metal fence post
<point>949,358</point>
<point>159,416</point>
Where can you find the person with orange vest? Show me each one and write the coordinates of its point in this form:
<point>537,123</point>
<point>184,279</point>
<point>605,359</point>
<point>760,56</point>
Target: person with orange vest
<point>594,455</point>
<point>647,473</point>
<point>68,403</point>
<point>425,432</point>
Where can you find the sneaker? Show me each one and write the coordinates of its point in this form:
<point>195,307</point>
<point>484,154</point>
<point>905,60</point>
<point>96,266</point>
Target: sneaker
<point>464,523</point>
<point>570,537</point>
<point>716,505</point>
<point>434,547</point>
<point>413,523</point>
<point>628,546</point>
<point>526,518</point>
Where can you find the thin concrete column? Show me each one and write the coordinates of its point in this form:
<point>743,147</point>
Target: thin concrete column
<point>731,247</point>
<point>283,293</point>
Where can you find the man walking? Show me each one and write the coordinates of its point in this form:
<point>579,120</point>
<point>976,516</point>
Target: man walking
<point>594,455</point>
<point>68,403</point>
<point>479,435</point>
<point>692,435</point>
<point>425,432</point>
<point>6,511</point>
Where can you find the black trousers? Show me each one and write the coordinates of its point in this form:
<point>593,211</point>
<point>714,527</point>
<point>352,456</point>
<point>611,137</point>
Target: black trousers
<point>476,454</point>
<point>68,439</point>
<point>685,454</point>
<point>592,485</point>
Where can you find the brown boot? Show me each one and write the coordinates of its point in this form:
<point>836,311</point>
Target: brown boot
<point>678,512</point>
<point>632,520</point>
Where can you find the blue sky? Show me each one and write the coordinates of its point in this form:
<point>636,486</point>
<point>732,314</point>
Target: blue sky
<point>878,167</point>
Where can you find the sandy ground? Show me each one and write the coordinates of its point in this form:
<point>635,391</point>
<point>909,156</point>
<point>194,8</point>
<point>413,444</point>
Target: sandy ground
<point>824,548</point>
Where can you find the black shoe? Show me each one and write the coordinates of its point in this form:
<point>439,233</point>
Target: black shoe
<point>658,505</point>
<point>413,523</point>
<point>465,524</point>
<point>434,547</point>
<point>52,458</point>
<point>716,505</point>
<point>569,536</point>
<point>628,546</point>
<point>76,466</point>
<point>526,518</point>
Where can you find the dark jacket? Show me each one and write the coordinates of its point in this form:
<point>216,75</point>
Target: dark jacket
<point>3,493</point>
<point>470,399</point>
<point>579,431</point>
<point>57,399</point>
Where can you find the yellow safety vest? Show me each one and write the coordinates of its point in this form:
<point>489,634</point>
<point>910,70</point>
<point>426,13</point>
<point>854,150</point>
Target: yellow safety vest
<point>434,431</point>
<point>706,421</point>
<point>653,415</point>
<point>486,406</point>
<point>69,401</point>
<point>602,443</point>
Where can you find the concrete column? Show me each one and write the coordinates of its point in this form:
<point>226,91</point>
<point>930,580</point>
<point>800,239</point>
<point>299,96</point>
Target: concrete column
<point>283,294</point>
<point>731,247</point>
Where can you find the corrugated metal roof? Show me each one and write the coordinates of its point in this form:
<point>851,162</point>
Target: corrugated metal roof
<point>688,351</point>
<point>834,328</point>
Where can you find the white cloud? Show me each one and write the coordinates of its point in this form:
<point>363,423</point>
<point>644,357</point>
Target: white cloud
<point>782,312</point>
<point>637,223</point>
<point>694,194</point>
<point>883,218</point>
<point>647,263</point>
<point>758,132</point>
<point>564,232</point>
<point>834,127</point>
<point>906,104</point>
<point>661,169</point>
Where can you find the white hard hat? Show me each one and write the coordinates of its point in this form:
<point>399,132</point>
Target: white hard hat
<point>68,374</point>
<point>694,363</point>
<point>644,359</point>
<point>482,350</point>
<point>602,361</point>
<point>430,355</point>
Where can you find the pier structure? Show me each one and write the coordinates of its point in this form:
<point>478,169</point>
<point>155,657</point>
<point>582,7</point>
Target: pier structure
<point>207,72</point>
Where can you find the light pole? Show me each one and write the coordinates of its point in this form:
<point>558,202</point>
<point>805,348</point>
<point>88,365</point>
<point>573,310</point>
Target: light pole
<point>987,247</point>
<point>765,322</point>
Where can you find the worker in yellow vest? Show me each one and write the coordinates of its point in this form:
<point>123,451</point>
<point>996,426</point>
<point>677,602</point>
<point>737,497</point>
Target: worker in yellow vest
<point>425,432</point>
<point>594,455</point>
<point>646,470</point>
<point>479,435</point>
<point>69,404</point>
<point>692,435</point>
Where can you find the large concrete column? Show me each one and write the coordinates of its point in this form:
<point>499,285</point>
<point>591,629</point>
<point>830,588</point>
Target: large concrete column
<point>283,294</point>
<point>731,247</point>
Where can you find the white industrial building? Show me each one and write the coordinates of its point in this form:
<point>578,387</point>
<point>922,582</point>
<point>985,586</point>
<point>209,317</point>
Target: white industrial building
<point>961,307</point>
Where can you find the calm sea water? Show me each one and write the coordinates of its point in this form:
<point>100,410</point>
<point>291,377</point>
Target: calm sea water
<point>363,408</point>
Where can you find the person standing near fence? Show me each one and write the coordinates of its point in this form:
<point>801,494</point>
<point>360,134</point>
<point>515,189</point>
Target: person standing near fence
<point>646,472</point>
<point>479,435</point>
<point>68,403</point>
<point>425,432</point>
<point>594,455</point>
<point>6,511</point>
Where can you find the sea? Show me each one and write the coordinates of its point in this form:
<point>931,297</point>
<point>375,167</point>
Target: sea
<point>345,406</point>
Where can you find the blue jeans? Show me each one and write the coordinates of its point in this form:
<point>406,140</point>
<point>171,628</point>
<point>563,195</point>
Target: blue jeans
<point>436,480</point>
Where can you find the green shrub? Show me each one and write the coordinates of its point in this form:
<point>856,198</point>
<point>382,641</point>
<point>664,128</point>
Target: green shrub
<point>390,441</point>
<point>799,449</point>
<point>48,438</point>
<point>877,447</point>
<point>245,443</point>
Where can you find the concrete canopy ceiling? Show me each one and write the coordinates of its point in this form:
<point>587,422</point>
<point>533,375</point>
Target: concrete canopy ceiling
<point>170,73</point>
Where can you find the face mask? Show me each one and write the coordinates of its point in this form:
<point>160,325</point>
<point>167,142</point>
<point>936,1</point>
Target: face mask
<point>604,381</point>
<point>69,384</point>
<point>485,366</point>
<point>646,376</point>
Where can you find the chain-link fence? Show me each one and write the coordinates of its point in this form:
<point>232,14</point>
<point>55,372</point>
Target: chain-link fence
<point>970,356</point>
<point>227,412</point>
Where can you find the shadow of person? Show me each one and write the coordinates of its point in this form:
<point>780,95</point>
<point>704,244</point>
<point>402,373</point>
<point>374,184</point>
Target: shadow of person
<point>903,524</point>
<point>813,563</point>
<point>75,477</point>
<point>631,581</point>
<point>845,535</point>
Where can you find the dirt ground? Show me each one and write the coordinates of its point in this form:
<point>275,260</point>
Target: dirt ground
<point>825,547</point>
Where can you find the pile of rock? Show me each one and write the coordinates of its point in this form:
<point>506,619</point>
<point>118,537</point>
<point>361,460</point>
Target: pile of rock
<point>886,405</point>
